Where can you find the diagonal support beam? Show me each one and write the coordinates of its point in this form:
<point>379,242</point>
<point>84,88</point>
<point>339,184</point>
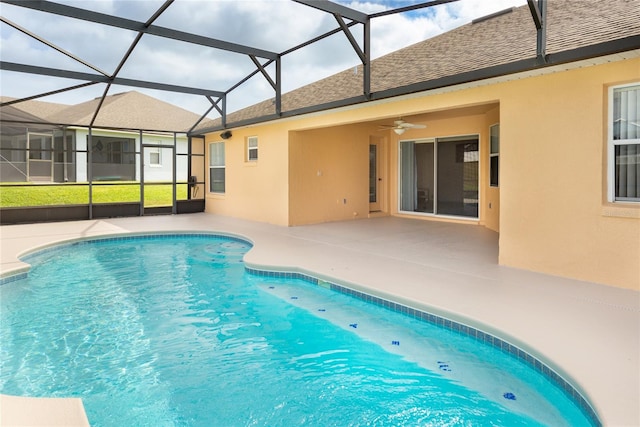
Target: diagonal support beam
<point>334,8</point>
<point>53,72</point>
<point>352,40</point>
<point>95,113</point>
<point>129,24</point>
<point>535,13</point>
<point>51,45</point>
<point>340,12</point>
<point>317,39</point>
<point>410,8</point>
<point>276,85</point>
<point>263,71</point>
<point>53,92</point>
<point>214,104</point>
<point>126,56</point>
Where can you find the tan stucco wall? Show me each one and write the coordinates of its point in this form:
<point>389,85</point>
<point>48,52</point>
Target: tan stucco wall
<point>550,208</point>
<point>328,174</point>
<point>257,190</point>
<point>553,179</point>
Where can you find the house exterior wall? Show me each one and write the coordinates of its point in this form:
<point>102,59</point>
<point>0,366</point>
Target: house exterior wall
<point>255,190</point>
<point>555,217</point>
<point>328,172</point>
<point>550,208</point>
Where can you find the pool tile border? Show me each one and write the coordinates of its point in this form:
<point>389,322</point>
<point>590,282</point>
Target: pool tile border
<point>433,319</point>
<point>450,325</point>
<point>13,276</point>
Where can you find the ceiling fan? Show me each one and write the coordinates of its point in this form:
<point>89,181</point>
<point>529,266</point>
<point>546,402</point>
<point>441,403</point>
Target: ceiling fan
<point>400,126</point>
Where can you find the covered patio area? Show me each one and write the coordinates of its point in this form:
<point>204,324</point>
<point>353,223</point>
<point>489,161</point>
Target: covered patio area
<point>588,333</point>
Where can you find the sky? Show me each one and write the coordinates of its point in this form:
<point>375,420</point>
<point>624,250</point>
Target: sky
<point>272,25</point>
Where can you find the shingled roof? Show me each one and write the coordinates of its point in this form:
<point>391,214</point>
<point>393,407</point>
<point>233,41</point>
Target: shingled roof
<point>35,109</point>
<point>127,110</point>
<point>502,39</point>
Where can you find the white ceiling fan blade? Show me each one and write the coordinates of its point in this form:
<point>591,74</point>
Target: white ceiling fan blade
<point>401,125</point>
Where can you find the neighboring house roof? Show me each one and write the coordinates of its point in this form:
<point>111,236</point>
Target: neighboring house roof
<point>37,109</point>
<point>11,114</point>
<point>127,110</point>
<point>503,39</point>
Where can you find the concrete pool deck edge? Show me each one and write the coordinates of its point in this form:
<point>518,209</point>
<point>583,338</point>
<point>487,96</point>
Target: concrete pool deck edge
<point>579,329</point>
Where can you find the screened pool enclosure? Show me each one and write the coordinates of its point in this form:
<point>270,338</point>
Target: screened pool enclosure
<point>51,172</point>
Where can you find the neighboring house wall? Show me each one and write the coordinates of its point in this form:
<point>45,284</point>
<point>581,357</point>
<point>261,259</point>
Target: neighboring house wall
<point>550,208</point>
<point>154,171</point>
<point>49,158</point>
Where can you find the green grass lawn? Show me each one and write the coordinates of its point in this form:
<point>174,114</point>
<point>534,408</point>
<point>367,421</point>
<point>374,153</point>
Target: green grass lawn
<point>77,194</point>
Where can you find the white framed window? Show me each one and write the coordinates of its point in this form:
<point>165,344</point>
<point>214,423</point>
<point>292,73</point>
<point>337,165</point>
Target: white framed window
<point>252,149</point>
<point>217,181</point>
<point>155,156</point>
<point>624,143</point>
<point>494,155</point>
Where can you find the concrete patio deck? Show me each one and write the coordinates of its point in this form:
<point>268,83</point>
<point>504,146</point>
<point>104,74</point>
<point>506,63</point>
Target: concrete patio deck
<point>588,333</point>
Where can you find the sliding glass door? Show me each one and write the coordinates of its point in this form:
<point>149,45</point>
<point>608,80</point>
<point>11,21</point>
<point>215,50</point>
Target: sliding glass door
<point>417,176</point>
<point>440,176</point>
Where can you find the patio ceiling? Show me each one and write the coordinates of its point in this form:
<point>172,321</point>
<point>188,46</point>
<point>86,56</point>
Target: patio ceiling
<point>266,63</point>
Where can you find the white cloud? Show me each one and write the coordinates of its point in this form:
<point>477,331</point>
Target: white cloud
<point>274,25</point>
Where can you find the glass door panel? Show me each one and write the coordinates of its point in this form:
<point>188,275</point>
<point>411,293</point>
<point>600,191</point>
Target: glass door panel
<point>440,177</point>
<point>375,175</point>
<point>417,176</point>
<point>40,163</point>
<point>458,164</point>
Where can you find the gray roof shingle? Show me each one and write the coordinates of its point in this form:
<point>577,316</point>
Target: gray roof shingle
<point>127,110</point>
<point>496,41</point>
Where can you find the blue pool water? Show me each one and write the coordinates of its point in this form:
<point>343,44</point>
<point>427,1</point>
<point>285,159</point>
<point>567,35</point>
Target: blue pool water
<point>173,331</point>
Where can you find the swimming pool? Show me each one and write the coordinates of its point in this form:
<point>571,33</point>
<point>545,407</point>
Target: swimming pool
<point>172,330</point>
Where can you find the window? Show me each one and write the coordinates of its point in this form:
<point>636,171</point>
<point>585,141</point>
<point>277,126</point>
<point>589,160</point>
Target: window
<point>216,167</point>
<point>494,155</point>
<point>63,151</point>
<point>112,150</point>
<point>155,157</point>
<point>624,143</point>
<point>252,148</point>
<point>40,146</point>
